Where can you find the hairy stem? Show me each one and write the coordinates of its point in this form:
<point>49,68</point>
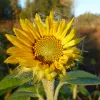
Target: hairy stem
<point>57,89</point>
<point>75,92</point>
<point>49,88</point>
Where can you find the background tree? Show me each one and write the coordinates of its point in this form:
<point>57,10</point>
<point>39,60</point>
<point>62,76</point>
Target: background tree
<point>88,20</point>
<point>27,11</point>
<point>43,7</point>
<point>16,9</point>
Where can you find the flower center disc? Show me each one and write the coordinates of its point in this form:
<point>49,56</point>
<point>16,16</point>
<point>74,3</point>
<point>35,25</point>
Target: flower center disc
<point>48,49</point>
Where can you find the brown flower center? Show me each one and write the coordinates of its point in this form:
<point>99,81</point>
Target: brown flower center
<point>48,49</point>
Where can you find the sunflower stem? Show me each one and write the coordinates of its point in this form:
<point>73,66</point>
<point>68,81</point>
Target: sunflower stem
<point>57,89</point>
<point>49,88</point>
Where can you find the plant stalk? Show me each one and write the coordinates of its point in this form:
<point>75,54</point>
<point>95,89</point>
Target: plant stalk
<point>57,89</point>
<point>49,88</point>
<point>75,92</point>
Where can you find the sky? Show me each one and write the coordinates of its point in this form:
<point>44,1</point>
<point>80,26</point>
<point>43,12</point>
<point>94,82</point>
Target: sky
<point>81,6</point>
<point>22,3</point>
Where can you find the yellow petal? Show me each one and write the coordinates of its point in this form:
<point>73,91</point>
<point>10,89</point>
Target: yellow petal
<point>40,75</point>
<point>55,27</point>
<point>73,42</point>
<point>23,38</point>
<point>47,26</point>
<point>41,28</point>
<point>23,25</point>
<point>11,60</point>
<point>13,50</point>
<point>37,17</point>
<point>58,65</point>
<point>53,74</point>
<point>60,28</point>
<point>23,55</point>
<point>52,68</point>
<point>28,62</point>
<point>75,56</point>
<point>47,71</point>
<point>67,28</point>
<point>63,59</point>
<point>50,23</point>
<point>26,34</point>
<point>15,41</point>
<point>51,15</point>
<point>32,29</point>
<point>69,37</point>
<point>49,77</point>
<point>71,50</point>
<point>51,30</point>
<point>34,35</point>
<point>26,28</point>
<point>64,71</point>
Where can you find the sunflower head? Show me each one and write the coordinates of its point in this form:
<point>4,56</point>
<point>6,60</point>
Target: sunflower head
<point>46,48</point>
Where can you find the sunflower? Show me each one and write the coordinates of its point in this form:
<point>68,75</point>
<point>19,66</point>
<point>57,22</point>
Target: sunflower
<point>46,48</point>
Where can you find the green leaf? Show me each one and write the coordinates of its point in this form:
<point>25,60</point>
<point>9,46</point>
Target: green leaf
<point>12,81</point>
<point>85,92</point>
<point>81,78</point>
<point>32,87</point>
<point>20,96</point>
<point>24,92</point>
<point>28,87</point>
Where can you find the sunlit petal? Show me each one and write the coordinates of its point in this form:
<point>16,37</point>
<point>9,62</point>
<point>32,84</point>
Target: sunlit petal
<point>73,42</point>
<point>67,28</point>
<point>69,37</point>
